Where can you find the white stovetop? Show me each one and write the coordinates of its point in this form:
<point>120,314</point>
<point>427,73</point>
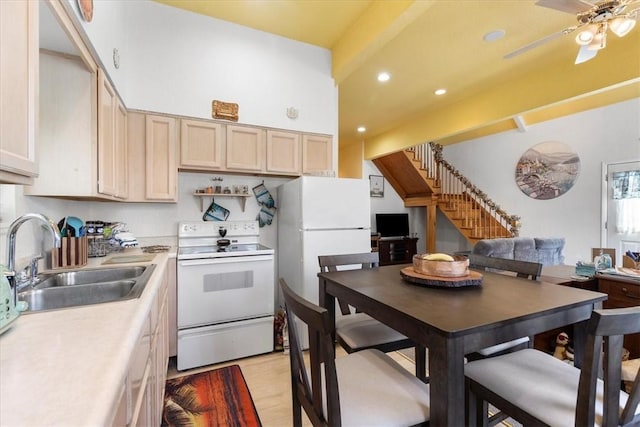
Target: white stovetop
<point>66,367</point>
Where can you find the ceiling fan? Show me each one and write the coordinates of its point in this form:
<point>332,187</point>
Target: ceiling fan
<point>593,21</point>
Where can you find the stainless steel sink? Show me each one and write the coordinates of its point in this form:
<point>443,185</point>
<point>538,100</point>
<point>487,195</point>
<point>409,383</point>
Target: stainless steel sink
<point>86,287</point>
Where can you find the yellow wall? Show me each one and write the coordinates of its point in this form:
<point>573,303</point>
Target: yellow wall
<point>350,160</point>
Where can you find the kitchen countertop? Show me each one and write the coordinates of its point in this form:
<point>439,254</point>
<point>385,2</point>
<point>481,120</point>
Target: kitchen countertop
<point>66,367</point>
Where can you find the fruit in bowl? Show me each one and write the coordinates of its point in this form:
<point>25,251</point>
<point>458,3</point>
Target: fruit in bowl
<point>441,265</point>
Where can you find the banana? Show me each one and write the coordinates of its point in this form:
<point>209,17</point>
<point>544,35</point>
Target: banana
<point>438,257</point>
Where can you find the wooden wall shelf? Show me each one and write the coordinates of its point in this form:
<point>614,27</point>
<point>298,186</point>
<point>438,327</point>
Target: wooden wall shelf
<point>242,197</point>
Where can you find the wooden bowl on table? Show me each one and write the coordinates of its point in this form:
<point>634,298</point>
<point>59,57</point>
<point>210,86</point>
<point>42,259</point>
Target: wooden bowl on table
<point>457,267</point>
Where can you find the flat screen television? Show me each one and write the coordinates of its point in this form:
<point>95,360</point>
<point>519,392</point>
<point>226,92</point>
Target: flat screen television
<point>392,224</point>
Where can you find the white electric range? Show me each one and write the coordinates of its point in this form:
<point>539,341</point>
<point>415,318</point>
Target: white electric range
<point>225,293</point>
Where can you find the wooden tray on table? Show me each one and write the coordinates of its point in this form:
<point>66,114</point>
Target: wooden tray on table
<point>472,279</point>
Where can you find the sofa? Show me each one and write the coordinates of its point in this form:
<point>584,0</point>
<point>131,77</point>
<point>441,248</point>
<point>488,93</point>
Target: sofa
<point>545,250</point>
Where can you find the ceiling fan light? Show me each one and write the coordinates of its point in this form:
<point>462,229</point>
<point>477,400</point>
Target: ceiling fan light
<point>599,42</point>
<point>621,26</point>
<point>584,37</point>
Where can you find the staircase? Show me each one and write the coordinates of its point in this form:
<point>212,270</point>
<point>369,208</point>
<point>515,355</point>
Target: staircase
<point>423,178</point>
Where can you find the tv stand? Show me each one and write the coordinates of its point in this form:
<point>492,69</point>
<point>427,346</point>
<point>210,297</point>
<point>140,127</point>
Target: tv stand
<point>397,251</point>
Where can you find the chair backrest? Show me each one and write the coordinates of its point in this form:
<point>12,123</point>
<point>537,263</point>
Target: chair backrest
<point>526,269</point>
<point>332,262</point>
<point>309,394</point>
<point>610,326</point>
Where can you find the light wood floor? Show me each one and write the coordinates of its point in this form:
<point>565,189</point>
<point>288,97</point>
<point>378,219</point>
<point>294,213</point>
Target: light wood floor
<point>268,379</point>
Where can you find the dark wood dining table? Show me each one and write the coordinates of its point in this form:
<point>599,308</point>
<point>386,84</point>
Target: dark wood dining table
<point>452,322</point>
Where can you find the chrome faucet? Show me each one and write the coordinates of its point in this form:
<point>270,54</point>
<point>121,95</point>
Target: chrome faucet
<point>11,246</point>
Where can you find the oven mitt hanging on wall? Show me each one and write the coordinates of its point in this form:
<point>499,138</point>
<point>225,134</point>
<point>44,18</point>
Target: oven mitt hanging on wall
<point>263,196</point>
<point>267,205</point>
<point>265,216</point>
<point>215,212</point>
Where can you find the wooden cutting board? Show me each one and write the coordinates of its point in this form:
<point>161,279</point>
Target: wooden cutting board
<point>124,259</point>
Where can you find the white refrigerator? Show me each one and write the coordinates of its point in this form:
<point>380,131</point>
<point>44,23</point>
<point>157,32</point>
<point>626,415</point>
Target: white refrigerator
<point>319,216</point>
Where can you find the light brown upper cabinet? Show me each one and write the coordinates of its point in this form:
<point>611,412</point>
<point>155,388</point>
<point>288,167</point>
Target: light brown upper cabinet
<point>161,166</point>
<point>283,152</point>
<point>18,91</point>
<point>201,145</point>
<point>68,136</point>
<point>317,154</point>
<point>245,148</point>
<point>122,157</point>
<point>112,141</point>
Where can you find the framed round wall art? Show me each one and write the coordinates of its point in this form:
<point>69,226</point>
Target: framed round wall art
<point>86,9</point>
<point>547,170</point>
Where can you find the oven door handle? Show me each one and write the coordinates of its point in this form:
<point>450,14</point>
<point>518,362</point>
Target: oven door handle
<point>225,260</point>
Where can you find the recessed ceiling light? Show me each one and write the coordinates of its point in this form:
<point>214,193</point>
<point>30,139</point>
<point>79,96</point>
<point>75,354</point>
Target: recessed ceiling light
<point>440,91</point>
<point>494,35</point>
<point>383,77</point>
<point>361,129</point>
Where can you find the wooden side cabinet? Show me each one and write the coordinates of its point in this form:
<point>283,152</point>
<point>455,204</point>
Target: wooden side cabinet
<point>397,251</point>
<point>561,275</point>
<point>622,293</point>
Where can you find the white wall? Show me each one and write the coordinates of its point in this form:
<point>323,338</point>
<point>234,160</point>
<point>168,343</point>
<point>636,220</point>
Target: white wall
<point>392,203</point>
<point>175,61</point>
<point>603,135</point>
<point>145,220</point>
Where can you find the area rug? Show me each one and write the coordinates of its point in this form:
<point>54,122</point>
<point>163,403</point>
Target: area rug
<point>214,398</point>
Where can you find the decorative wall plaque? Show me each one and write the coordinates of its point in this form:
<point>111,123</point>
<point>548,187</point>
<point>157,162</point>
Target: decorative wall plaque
<point>224,110</point>
<point>547,170</point>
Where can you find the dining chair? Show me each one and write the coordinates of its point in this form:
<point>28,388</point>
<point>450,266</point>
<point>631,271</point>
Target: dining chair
<point>357,331</point>
<point>364,388</point>
<point>535,388</point>
<point>524,269</point>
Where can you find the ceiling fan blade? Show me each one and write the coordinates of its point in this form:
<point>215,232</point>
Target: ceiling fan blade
<point>585,54</point>
<point>538,43</point>
<point>568,6</point>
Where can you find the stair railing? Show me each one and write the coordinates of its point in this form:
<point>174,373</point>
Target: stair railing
<point>465,201</point>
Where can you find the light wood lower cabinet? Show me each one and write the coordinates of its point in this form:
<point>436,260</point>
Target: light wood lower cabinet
<point>173,304</point>
<point>142,392</point>
<point>153,169</point>
<point>18,91</point>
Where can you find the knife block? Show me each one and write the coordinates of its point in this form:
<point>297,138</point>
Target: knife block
<point>73,252</point>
